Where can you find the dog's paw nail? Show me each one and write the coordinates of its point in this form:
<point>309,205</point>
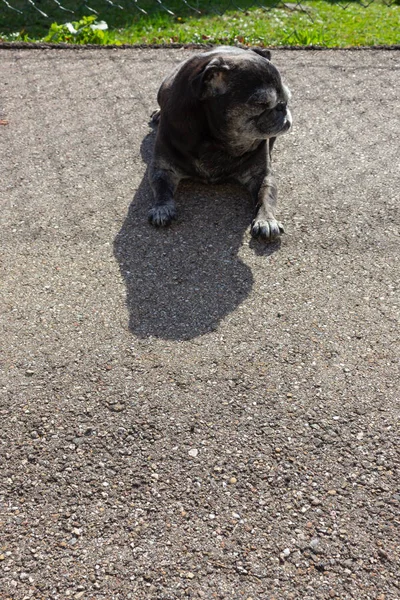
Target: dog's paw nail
<point>161,216</point>
<point>255,229</point>
<point>267,230</point>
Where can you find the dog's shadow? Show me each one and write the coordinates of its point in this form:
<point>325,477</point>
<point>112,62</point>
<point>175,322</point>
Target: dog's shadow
<point>181,281</point>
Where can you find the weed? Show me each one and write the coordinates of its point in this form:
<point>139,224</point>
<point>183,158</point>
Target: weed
<point>306,38</point>
<point>85,31</point>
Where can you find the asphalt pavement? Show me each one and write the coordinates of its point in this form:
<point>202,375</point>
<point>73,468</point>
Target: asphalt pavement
<point>189,413</point>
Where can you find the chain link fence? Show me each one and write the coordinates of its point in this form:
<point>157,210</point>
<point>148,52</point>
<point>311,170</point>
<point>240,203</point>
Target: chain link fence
<point>35,16</point>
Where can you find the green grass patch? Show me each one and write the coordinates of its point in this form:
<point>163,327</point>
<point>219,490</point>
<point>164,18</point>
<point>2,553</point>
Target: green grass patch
<point>314,22</point>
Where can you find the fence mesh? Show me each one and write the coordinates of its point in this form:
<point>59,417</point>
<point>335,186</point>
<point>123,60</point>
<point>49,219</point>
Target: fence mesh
<point>35,16</point>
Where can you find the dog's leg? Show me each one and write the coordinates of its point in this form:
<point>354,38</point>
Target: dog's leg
<point>264,193</point>
<point>164,184</point>
<point>262,187</point>
<point>265,225</point>
<point>260,182</point>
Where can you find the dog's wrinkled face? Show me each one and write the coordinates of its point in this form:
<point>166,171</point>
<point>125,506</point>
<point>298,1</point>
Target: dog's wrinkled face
<point>246,99</point>
<point>266,111</point>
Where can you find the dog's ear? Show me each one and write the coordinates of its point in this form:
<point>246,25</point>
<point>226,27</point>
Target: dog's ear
<point>212,79</point>
<point>262,52</point>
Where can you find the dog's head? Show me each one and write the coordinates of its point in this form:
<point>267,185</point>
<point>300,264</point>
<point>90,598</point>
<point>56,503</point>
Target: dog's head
<point>243,94</point>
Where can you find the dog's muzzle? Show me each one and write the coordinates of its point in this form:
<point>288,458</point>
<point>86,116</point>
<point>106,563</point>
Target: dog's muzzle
<point>275,122</point>
<point>285,119</point>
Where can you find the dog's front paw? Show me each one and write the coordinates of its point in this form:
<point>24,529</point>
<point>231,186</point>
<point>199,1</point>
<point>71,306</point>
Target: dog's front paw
<point>268,230</point>
<point>161,216</point>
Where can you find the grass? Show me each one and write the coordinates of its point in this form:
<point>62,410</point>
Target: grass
<point>314,22</point>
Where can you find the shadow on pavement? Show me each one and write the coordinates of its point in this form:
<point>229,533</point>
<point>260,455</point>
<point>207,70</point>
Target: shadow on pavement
<point>181,281</point>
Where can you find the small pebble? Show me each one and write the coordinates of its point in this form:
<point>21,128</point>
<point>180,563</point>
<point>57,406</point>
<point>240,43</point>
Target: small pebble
<point>314,544</point>
<point>233,480</point>
<point>193,452</point>
<point>286,552</point>
<point>315,501</point>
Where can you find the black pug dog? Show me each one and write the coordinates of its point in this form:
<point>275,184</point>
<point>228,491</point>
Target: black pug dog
<point>220,113</point>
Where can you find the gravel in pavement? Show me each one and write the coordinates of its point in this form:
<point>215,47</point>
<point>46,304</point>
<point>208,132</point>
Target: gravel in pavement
<point>188,413</point>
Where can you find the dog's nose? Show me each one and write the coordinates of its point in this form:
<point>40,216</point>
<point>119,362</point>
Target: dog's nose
<point>281,107</point>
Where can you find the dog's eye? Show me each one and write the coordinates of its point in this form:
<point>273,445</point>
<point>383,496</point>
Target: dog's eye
<point>263,106</point>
